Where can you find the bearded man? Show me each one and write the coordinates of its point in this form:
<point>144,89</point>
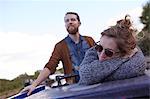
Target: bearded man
<point>70,51</point>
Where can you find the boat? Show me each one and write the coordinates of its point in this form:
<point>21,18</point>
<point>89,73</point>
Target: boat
<point>137,87</point>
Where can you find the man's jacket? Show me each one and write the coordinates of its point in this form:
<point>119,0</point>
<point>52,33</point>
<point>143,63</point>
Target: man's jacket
<point>61,53</point>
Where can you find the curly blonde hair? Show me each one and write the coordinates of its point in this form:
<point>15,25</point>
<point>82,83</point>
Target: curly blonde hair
<point>123,34</point>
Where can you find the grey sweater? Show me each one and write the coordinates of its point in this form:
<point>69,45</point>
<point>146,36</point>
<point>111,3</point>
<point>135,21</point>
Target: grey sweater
<point>94,71</point>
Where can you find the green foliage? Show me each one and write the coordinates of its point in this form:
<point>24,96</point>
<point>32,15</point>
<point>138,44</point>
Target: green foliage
<point>145,46</point>
<point>145,18</point>
<point>15,85</point>
<point>10,85</point>
<point>144,43</point>
<point>36,74</point>
<point>61,70</point>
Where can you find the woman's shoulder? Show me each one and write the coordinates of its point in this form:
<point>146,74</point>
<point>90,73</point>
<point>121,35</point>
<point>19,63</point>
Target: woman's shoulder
<point>137,59</point>
<point>139,55</point>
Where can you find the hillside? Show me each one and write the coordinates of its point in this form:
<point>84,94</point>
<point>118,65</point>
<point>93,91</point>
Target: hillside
<point>11,87</point>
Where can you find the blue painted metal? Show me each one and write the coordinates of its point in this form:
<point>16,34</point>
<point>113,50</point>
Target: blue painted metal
<point>128,88</point>
<point>138,87</point>
<point>24,94</point>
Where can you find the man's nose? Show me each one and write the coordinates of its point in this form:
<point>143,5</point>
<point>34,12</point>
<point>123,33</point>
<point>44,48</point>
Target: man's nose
<point>69,22</point>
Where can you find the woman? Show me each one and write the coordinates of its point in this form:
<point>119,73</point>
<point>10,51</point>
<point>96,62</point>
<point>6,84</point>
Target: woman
<point>115,57</point>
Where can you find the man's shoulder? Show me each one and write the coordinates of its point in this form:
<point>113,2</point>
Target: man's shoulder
<point>88,37</point>
<point>61,43</point>
<point>90,40</point>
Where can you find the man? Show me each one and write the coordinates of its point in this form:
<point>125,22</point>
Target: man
<point>70,51</point>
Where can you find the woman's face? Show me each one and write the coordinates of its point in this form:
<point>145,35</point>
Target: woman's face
<point>107,48</point>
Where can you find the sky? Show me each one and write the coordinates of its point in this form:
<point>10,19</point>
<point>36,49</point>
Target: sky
<point>29,29</point>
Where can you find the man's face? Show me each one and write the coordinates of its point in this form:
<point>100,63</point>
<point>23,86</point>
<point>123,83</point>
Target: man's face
<point>71,23</point>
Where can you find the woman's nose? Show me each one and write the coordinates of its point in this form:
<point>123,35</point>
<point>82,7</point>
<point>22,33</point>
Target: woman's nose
<point>102,55</point>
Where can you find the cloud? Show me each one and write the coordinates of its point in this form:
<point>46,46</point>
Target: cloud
<point>21,52</point>
<point>134,13</point>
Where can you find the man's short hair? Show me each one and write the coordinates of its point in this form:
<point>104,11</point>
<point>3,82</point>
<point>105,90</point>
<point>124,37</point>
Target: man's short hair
<point>78,18</point>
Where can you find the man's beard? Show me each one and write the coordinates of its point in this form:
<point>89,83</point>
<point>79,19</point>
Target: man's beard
<point>72,31</point>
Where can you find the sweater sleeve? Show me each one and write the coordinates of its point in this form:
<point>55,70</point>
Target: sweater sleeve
<point>132,68</point>
<point>94,71</point>
<point>90,56</point>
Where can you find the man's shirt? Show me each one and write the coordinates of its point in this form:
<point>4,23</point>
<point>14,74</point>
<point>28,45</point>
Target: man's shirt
<point>77,52</point>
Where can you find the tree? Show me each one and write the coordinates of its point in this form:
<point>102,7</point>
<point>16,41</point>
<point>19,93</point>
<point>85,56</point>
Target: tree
<point>144,43</point>
<point>36,74</point>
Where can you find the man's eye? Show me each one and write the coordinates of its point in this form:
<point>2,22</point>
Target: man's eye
<point>73,19</point>
<point>66,20</point>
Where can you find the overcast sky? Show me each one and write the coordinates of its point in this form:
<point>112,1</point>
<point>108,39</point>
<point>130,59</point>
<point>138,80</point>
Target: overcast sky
<point>29,29</point>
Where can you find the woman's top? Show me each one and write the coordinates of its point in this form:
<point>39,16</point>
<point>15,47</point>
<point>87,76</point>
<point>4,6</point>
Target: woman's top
<point>92,70</point>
